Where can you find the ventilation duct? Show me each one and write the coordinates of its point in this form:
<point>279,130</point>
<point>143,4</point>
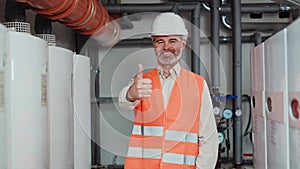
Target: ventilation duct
<point>88,17</point>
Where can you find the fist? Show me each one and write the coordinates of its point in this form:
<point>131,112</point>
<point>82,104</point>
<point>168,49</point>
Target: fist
<point>141,88</point>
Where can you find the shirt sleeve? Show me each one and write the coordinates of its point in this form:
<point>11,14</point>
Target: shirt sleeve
<point>208,136</point>
<point>122,99</point>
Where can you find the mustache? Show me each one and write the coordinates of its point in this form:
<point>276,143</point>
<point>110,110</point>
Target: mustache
<point>166,51</point>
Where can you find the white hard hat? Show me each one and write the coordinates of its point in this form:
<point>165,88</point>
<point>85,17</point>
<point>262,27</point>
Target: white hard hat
<point>168,23</point>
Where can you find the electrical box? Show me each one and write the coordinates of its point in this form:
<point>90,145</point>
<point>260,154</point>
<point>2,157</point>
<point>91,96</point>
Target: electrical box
<point>258,107</point>
<point>60,108</point>
<point>82,112</point>
<point>275,51</point>
<point>293,41</point>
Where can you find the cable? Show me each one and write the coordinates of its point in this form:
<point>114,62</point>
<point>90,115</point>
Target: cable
<point>248,99</point>
<point>227,142</point>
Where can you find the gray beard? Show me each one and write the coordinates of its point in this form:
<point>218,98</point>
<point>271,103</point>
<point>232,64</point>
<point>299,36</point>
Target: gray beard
<point>168,61</point>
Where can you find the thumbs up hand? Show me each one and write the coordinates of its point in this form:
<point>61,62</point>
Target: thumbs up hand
<point>141,88</point>
<point>140,73</point>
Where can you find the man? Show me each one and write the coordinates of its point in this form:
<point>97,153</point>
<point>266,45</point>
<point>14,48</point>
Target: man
<point>174,125</point>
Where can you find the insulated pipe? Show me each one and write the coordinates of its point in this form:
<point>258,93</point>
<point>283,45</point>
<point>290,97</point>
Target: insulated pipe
<point>237,82</point>
<point>215,62</point>
<point>196,40</point>
<point>88,17</point>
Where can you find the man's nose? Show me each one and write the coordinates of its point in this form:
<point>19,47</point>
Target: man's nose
<point>167,46</point>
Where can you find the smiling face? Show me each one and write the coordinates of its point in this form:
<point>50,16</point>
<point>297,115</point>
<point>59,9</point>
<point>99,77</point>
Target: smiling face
<point>168,49</point>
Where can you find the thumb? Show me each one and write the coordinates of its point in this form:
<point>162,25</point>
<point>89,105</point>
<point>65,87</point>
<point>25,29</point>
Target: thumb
<point>140,73</point>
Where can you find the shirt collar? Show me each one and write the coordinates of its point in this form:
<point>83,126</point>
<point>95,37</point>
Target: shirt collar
<point>175,70</point>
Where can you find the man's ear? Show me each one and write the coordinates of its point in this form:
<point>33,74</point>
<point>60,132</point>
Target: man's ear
<point>183,44</point>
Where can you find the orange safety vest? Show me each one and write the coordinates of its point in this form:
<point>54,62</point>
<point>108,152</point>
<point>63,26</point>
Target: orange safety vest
<point>167,138</point>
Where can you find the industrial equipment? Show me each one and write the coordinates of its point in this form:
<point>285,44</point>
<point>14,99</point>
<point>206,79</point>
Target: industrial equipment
<point>60,109</point>
<point>293,40</point>
<point>258,107</point>
<point>24,100</point>
<point>82,109</point>
<point>275,54</point>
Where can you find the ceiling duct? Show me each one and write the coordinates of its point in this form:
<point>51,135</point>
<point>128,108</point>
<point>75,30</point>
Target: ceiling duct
<point>88,17</point>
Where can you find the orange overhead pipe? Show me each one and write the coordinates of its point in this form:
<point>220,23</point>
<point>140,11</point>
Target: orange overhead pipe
<point>88,17</point>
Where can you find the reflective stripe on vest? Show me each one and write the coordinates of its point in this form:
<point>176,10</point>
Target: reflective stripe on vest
<point>148,130</point>
<point>144,152</point>
<point>179,159</point>
<point>181,136</point>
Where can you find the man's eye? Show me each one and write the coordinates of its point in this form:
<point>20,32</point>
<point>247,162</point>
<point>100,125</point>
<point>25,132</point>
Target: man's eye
<point>173,41</point>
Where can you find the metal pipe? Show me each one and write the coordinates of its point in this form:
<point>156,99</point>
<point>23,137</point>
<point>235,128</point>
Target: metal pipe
<point>161,7</point>
<point>134,42</point>
<point>222,40</point>
<point>263,27</point>
<point>215,62</point>
<point>189,6</point>
<point>95,106</point>
<point>257,8</point>
<point>253,8</point>
<point>195,53</point>
<point>237,82</point>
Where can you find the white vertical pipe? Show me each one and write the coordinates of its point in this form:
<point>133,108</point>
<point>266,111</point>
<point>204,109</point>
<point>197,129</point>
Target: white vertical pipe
<point>26,101</point>
<point>60,68</point>
<point>82,112</point>
<point>293,43</point>
<point>276,92</point>
<point>258,107</point>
